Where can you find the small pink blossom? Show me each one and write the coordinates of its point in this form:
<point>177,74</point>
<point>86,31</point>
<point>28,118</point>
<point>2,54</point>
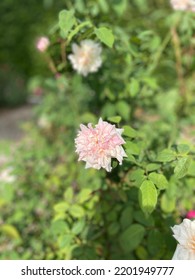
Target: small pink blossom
<point>97,146</point>
<point>183,5</point>
<point>86,58</point>
<point>190,214</point>
<point>42,44</point>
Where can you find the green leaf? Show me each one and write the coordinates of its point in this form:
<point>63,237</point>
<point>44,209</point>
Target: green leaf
<point>120,6</point>
<point>108,110</point>
<point>182,166</point>
<point>130,158</point>
<point>10,230</point>
<point>77,211</point>
<point>115,119</point>
<point>80,6</point>
<point>147,196</point>
<point>65,240</point>
<point>61,207</point>
<point>132,148</point>
<point>131,237</point>
<point>66,22</point>
<point>142,219</point>
<point>84,195</point>
<point>167,203</point>
<point>134,87</point>
<point>88,118</point>
<point>151,82</point>
<point>114,163</point>
<point>155,242</point>
<point>126,217</point>
<point>104,5</point>
<point>141,253</point>
<point>68,194</point>
<point>191,168</point>
<point>123,109</point>
<point>6,192</point>
<point>105,35</point>
<point>59,227</point>
<point>113,228</point>
<point>59,216</point>
<point>152,167</point>
<point>137,176</point>
<point>159,180</point>
<point>78,226</point>
<point>166,156</point>
<point>129,131</point>
<point>183,149</point>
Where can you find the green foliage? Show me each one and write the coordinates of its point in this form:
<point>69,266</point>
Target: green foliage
<point>145,87</point>
<point>66,22</point>
<point>115,119</point>
<point>181,168</point>
<point>159,180</point>
<point>166,155</point>
<point>131,237</point>
<point>105,35</point>
<point>147,196</point>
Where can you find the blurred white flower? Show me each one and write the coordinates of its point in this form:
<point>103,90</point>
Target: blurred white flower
<point>6,176</point>
<point>42,44</point>
<point>183,5</point>
<point>185,235</point>
<point>44,123</point>
<point>86,57</point>
<point>97,146</point>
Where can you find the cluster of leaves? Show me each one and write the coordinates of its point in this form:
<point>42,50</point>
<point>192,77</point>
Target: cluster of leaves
<point>145,86</point>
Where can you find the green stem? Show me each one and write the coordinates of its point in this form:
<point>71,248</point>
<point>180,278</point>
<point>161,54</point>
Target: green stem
<point>160,52</point>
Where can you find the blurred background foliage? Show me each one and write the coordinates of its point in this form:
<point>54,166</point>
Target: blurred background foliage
<point>55,209</point>
<point>21,24</point>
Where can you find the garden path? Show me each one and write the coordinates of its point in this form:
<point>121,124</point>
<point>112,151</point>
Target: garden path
<point>11,132</point>
<point>11,121</point>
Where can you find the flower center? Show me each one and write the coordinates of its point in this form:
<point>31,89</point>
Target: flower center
<point>85,58</point>
<point>99,144</point>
